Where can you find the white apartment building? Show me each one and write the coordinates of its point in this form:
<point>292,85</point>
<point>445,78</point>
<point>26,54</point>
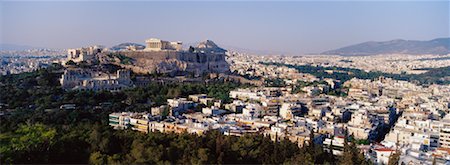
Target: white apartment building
<point>289,110</point>
<point>444,133</point>
<point>253,111</point>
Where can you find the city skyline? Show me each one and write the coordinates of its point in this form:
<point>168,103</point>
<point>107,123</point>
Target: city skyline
<point>289,27</point>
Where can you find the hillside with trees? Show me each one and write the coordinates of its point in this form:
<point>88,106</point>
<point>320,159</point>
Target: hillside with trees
<point>34,130</point>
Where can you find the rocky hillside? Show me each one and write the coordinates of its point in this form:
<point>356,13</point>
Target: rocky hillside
<point>206,57</point>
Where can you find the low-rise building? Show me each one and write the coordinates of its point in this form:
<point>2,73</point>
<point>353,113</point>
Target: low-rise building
<point>179,106</point>
<point>214,111</point>
<point>289,110</point>
<point>158,111</point>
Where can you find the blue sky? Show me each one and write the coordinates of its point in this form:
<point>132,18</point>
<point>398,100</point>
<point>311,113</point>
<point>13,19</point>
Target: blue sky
<point>294,27</point>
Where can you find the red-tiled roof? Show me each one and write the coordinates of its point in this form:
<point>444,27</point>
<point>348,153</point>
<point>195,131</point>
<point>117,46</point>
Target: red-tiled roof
<point>384,149</point>
<point>444,149</point>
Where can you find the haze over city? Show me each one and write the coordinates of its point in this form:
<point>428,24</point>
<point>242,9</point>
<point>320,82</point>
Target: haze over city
<point>285,27</point>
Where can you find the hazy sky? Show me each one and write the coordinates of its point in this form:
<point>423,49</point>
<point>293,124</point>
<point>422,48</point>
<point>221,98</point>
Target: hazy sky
<point>295,27</point>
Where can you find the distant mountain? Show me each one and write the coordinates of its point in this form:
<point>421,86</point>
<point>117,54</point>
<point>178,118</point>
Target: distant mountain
<point>124,46</point>
<point>13,47</point>
<point>436,46</point>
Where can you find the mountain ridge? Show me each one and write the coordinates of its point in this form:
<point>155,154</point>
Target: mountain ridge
<point>15,47</point>
<point>397,46</point>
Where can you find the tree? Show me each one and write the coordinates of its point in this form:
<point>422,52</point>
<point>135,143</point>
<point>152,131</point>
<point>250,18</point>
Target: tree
<point>331,158</point>
<point>202,154</point>
<point>347,156</point>
<point>191,49</point>
<point>351,154</point>
<point>302,158</point>
<point>97,158</point>
<point>70,62</point>
<point>30,142</point>
<point>394,158</point>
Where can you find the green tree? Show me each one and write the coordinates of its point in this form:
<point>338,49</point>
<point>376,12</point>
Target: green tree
<point>30,142</point>
<point>70,62</point>
<point>97,158</point>
<point>202,155</point>
<point>394,158</point>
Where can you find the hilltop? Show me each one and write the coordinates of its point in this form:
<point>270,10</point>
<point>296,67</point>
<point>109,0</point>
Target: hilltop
<point>206,57</point>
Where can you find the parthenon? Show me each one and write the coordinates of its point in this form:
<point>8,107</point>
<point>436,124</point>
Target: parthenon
<point>154,44</point>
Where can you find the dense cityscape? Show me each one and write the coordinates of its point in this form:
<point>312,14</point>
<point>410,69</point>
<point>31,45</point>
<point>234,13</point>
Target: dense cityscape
<point>386,119</point>
<point>14,62</point>
<point>157,99</point>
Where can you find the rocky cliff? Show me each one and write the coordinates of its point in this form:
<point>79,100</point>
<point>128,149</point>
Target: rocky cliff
<point>207,57</point>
